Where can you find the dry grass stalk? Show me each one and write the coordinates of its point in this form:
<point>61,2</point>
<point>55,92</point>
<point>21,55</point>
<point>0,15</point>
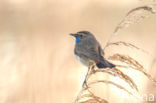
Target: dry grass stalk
<point>125,77</point>
<point>86,96</point>
<point>112,83</point>
<point>89,97</point>
<point>135,15</point>
<point>117,73</point>
<point>127,45</point>
<point>132,64</point>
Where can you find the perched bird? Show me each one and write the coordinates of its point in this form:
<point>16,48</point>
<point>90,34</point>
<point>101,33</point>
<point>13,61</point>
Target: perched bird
<point>88,50</point>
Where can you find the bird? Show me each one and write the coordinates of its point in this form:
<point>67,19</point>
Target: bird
<point>89,51</point>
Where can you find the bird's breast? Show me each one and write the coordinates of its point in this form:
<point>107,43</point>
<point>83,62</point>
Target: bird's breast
<point>85,61</point>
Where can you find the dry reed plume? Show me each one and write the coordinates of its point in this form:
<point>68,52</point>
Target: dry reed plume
<point>133,16</point>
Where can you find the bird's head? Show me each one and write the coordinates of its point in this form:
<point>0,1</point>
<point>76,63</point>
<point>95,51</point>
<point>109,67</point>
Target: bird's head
<point>81,35</point>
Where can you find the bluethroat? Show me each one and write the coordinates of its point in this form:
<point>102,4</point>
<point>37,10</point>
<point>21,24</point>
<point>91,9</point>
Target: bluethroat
<point>88,50</point>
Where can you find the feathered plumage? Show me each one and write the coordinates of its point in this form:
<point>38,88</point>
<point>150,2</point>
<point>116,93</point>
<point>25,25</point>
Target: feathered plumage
<point>88,50</point>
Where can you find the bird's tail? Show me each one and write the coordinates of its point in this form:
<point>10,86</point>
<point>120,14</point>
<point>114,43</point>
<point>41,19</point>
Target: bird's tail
<point>105,64</point>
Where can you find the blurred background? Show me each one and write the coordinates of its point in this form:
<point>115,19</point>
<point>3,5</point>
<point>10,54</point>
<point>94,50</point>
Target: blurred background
<point>37,64</point>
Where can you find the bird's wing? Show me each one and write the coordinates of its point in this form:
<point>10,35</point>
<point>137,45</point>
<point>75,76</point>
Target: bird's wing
<point>90,49</point>
<point>100,50</point>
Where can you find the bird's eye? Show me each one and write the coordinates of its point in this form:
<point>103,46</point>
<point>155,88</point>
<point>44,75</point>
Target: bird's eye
<point>81,35</point>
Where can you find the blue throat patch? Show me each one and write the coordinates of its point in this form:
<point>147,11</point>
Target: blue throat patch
<point>78,39</point>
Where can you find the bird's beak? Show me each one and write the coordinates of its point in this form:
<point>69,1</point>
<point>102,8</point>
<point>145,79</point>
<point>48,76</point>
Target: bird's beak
<point>73,34</point>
